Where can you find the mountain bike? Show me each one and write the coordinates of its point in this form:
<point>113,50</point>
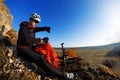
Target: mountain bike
<point>70,66</point>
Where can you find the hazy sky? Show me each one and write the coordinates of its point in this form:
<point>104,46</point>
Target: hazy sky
<point>77,23</point>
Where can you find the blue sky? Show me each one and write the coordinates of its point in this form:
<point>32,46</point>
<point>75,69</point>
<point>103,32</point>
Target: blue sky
<point>77,23</point>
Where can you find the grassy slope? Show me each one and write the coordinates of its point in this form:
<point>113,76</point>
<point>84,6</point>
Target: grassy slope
<point>96,55</point>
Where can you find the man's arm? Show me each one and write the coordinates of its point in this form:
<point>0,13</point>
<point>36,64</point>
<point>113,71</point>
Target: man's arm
<point>26,35</point>
<point>38,29</point>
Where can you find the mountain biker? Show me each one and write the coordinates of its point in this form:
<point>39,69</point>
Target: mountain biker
<point>26,46</point>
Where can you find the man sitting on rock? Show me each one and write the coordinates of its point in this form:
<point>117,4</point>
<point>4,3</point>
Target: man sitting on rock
<point>37,50</point>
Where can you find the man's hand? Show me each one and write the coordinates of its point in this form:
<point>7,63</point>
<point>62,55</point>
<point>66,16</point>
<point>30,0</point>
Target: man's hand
<point>47,29</point>
<point>45,39</point>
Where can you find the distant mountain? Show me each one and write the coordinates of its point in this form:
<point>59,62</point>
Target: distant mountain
<point>115,51</point>
<point>109,46</point>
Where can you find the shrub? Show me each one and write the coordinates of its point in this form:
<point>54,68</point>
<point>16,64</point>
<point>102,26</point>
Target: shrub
<point>109,63</point>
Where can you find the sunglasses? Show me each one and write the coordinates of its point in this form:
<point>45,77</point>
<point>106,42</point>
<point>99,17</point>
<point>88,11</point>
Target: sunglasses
<point>36,21</point>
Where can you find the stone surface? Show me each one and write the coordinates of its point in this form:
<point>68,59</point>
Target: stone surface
<point>6,21</point>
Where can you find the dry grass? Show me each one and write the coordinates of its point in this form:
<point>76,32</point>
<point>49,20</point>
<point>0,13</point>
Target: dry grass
<point>95,57</point>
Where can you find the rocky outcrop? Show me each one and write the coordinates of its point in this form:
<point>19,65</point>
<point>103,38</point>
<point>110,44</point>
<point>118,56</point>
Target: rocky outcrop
<point>12,67</point>
<point>6,23</point>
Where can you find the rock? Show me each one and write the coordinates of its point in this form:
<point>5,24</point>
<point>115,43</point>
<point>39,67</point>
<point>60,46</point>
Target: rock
<point>10,53</point>
<point>6,21</point>
<point>107,70</point>
<point>10,61</point>
<point>2,30</point>
<point>2,57</point>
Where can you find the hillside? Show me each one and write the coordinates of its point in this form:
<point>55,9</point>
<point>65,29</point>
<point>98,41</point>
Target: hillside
<point>89,62</point>
<point>109,46</point>
<point>98,55</point>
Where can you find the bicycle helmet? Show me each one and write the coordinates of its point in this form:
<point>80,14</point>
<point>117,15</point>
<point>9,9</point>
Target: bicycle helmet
<point>36,17</point>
